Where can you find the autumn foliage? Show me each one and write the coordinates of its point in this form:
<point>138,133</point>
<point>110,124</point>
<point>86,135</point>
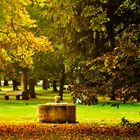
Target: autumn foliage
<point>69,131</point>
<point>116,73</point>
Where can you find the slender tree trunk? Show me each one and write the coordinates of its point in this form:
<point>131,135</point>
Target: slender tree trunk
<point>113,97</point>
<point>15,84</point>
<point>62,81</point>
<point>111,35</point>
<point>0,85</point>
<point>48,84</point>
<point>24,84</point>
<point>6,82</point>
<point>138,96</point>
<point>45,84</point>
<point>97,44</point>
<point>54,86</point>
<point>32,88</point>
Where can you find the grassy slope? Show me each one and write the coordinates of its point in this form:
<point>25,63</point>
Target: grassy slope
<point>25,111</point>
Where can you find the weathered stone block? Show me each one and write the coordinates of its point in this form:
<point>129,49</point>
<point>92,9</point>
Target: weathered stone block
<point>56,113</point>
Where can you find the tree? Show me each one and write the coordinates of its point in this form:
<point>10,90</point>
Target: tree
<point>10,72</point>
<point>18,43</point>
<point>32,88</point>
<point>107,21</point>
<point>51,16</point>
<point>50,65</point>
<point>118,70</point>
<point>122,19</point>
<point>89,30</point>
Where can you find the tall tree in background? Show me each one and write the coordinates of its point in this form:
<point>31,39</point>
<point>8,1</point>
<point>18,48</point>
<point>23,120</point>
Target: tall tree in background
<point>89,30</point>
<point>52,20</point>
<point>122,18</point>
<point>50,65</point>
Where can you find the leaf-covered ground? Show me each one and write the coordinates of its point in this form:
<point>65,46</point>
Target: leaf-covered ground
<point>77,131</point>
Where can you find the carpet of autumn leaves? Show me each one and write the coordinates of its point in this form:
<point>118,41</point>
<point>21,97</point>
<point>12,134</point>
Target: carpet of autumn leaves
<point>65,131</point>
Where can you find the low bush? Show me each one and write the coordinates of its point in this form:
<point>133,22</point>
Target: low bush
<point>84,95</point>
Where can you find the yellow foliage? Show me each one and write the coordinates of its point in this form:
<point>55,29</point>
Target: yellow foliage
<point>15,16</point>
<point>22,47</point>
<point>17,43</point>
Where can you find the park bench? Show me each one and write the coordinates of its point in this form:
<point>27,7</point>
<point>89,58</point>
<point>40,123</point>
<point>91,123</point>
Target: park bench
<point>13,93</point>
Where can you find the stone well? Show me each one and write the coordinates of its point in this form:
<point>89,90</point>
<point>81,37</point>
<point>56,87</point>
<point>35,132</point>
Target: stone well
<point>56,113</point>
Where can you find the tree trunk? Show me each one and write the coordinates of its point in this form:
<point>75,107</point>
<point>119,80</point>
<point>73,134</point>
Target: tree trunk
<point>24,84</point>
<point>54,86</point>
<point>111,35</point>
<point>15,84</point>
<point>113,97</point>
<point>0,85</point>
<point>32,88</point>
<point>62,81</point>
<point>97,44</point>
<point>45,84</point>
<point>138,96</point>
<point>6,82</point>
<point>138,99</point>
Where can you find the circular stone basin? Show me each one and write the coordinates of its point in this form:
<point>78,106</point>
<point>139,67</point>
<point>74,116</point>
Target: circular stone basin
<point>56,113</point>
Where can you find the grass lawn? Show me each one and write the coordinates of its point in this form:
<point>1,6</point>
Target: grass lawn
<point>19,111</point>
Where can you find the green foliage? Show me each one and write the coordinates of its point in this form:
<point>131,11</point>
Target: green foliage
<point>48,64</point>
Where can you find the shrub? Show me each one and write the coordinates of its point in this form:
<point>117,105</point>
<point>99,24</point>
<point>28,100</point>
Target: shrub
<point>84,95</point>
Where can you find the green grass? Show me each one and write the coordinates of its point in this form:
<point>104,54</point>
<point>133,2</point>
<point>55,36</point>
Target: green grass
<point>108,115</point>
<point>19,111</point>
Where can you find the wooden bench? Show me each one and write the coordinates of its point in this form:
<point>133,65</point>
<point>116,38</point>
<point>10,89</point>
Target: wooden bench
<point>13,93</point>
